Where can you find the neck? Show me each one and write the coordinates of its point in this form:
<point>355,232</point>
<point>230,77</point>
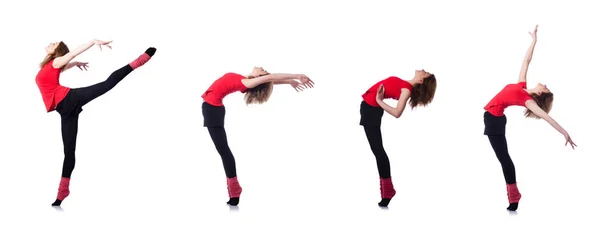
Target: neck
<point>530,91</point>
<point>414,81</point>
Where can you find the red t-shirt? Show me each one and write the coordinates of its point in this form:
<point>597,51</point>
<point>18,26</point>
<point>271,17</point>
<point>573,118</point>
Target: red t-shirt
<point>393,88</point>
<point>512,94</point>
<point>47,82</point>
<point>227,84</point>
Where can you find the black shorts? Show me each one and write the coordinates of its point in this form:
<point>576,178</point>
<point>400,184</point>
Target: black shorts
<point>370,116</point>
<point>71,104</point>
<point>494,125</point>
<point>213,115</point>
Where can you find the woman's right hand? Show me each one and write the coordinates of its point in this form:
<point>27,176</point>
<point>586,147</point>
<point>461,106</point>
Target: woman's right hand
<point>534,33</point>
<point>380,93</point>
<point>307,82</point>
<point>100,43</point>
<point>569,141</point>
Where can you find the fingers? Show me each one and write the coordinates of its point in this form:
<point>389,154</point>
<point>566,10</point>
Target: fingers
<point>298,87</point>
<point>569,141</point>
<point>306,82</point>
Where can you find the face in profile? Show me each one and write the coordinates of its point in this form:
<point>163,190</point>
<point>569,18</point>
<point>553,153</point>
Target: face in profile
<point>421,74</point>
<point>51,47</point>
<point>258,71</point>
<point>541,88</point>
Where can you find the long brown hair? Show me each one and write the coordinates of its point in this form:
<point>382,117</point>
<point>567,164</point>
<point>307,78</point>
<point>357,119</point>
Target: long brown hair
<point>260,93</point>
<point>61,50</point>
<point>544,101</point>
<point>422,94</point>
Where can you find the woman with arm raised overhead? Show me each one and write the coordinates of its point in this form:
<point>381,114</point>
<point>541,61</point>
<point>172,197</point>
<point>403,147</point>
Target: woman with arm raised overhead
<point>538,103</point>
<point>69,102</point>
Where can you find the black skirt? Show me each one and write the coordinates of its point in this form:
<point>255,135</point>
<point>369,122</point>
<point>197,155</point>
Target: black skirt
<point>213,115</point>
<point>370,116</point>
<point>494,125</point>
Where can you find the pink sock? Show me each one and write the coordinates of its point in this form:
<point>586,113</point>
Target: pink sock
<point>233,187</point>
<point>63,188</point>
<point>513,193</point>
<point>387,188</point>
<point>140,61</point>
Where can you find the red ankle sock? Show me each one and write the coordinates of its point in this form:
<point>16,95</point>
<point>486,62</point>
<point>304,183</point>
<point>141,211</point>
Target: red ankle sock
<point>387,188</point>
<point>513,193</point>
<point>140,61</point>
<point>233,187</point>
<point>63,188</point>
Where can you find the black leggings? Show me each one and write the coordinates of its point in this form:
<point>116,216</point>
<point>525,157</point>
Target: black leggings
<point>70,108</point>
<point>501,149</point>
<point>219,138</point>
<point>370,119</point>
<point>376,142</point>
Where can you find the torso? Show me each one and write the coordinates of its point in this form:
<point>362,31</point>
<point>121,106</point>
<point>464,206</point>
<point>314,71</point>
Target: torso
<point>393,88</point>
<point>48,83</point>
<point>510,95</point>
<point>225,85</point>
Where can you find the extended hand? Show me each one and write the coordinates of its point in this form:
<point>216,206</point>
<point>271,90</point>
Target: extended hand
<point>102,43</point>
<point>569,141</point>
<point>534,33</point>
<point>306,82</point>
<point>297,86</point>
<point>81,65</point>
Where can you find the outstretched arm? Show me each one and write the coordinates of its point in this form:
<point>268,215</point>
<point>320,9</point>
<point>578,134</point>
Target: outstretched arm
<point>59,62</point>
<point>278,78</point>
<point>284,81</point>
<point>531,105</point>
<point>80,65</point>
<point>528,56</point>
<point>394,111</point>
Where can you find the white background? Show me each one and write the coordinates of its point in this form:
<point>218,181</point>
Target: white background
<point>146,166</point>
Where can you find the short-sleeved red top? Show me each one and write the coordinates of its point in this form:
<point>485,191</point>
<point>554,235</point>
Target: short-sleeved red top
<point>393,88</point>
<point>47,81</point>
<point>225,85</point>
<point>512,94</point>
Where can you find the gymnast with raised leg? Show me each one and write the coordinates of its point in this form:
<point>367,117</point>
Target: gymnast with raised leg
<point>420,90</point>
<point>68,102</point>
<point>257,88</point>
<point>538,103</point>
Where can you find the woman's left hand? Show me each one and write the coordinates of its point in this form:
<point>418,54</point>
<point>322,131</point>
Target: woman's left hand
<point>81,65</point>
<point>569,141</point>
<point>380,92</point>
<point>297,86</point>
